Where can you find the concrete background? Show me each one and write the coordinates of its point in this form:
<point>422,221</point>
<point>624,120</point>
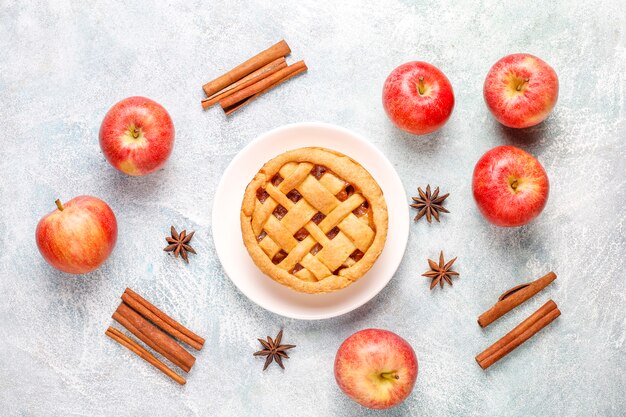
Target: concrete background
<point>63,64</point>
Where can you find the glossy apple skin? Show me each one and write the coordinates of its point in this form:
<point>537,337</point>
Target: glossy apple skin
<point>137,136</point>
<point>521,90</point>
<point>510,186</point>
<point>412,111</point>
<point>376,368</point>
<point>79,238</point>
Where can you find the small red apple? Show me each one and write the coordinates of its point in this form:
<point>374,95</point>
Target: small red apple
<point>418,97</point>
<point>510,186</point>
<point>376,368</point>
<point>137,136</point>
<point>79,236</point>
<point>521,90</point>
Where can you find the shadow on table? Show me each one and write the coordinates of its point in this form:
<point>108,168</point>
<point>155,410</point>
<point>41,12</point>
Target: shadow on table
<point>76,287</point>
<point>419,144</point>
<point>528,137</point>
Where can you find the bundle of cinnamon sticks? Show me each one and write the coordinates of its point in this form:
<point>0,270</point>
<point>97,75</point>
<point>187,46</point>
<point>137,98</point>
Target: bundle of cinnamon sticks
<point>526,329</point>
<point>157,330</point>
<point>252,78</point>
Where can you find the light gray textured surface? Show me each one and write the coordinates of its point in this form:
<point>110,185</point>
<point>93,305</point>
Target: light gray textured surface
<point>63,64</point>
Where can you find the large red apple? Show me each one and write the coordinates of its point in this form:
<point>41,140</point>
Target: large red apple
<point>376,368</point>
<point>418,97</point>
<point>521,90</point>
<point>510,186</point>
<point>137,136</point>
<point>78,236</point>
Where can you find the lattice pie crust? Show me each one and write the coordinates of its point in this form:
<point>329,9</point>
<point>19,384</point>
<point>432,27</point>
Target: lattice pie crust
<point>314,220</point>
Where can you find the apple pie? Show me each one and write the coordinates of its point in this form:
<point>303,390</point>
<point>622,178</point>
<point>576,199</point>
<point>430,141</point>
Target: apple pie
<point>314,220</point>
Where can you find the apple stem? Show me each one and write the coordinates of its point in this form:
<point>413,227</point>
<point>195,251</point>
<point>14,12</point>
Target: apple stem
<point>390,375</point>
<point>420,86</point>
<point>520,85</point>
<point>134,132</point>
<point>59,204</point>
<point>514,185</point>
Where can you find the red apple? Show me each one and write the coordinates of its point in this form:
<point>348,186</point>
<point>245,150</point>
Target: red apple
<point>510,186</point>
<point>418,98</point>
<point>376,368</point>
<point>137,136</point>
<point>79,236</point>
<point>521,90</point>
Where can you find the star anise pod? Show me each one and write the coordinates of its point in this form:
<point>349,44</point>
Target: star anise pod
<point>440,272</point>
<point>273,350</point>
<point>179,244</point>
<point>429,204</point>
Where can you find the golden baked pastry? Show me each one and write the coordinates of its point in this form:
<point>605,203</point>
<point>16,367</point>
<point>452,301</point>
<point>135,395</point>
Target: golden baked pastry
<point>314,220</point>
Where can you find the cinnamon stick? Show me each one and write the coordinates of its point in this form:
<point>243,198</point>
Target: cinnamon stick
<point>244,96</point>
<point>249,79</point>
<point>522,332</point>
<point>153,337</point>
<point>514,297</point>
<point>134,347</point>
<point>276,51</point>
<point>162,320</point>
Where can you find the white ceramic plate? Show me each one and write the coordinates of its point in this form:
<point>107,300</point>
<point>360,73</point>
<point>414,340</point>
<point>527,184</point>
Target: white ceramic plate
<point>227,232</point>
